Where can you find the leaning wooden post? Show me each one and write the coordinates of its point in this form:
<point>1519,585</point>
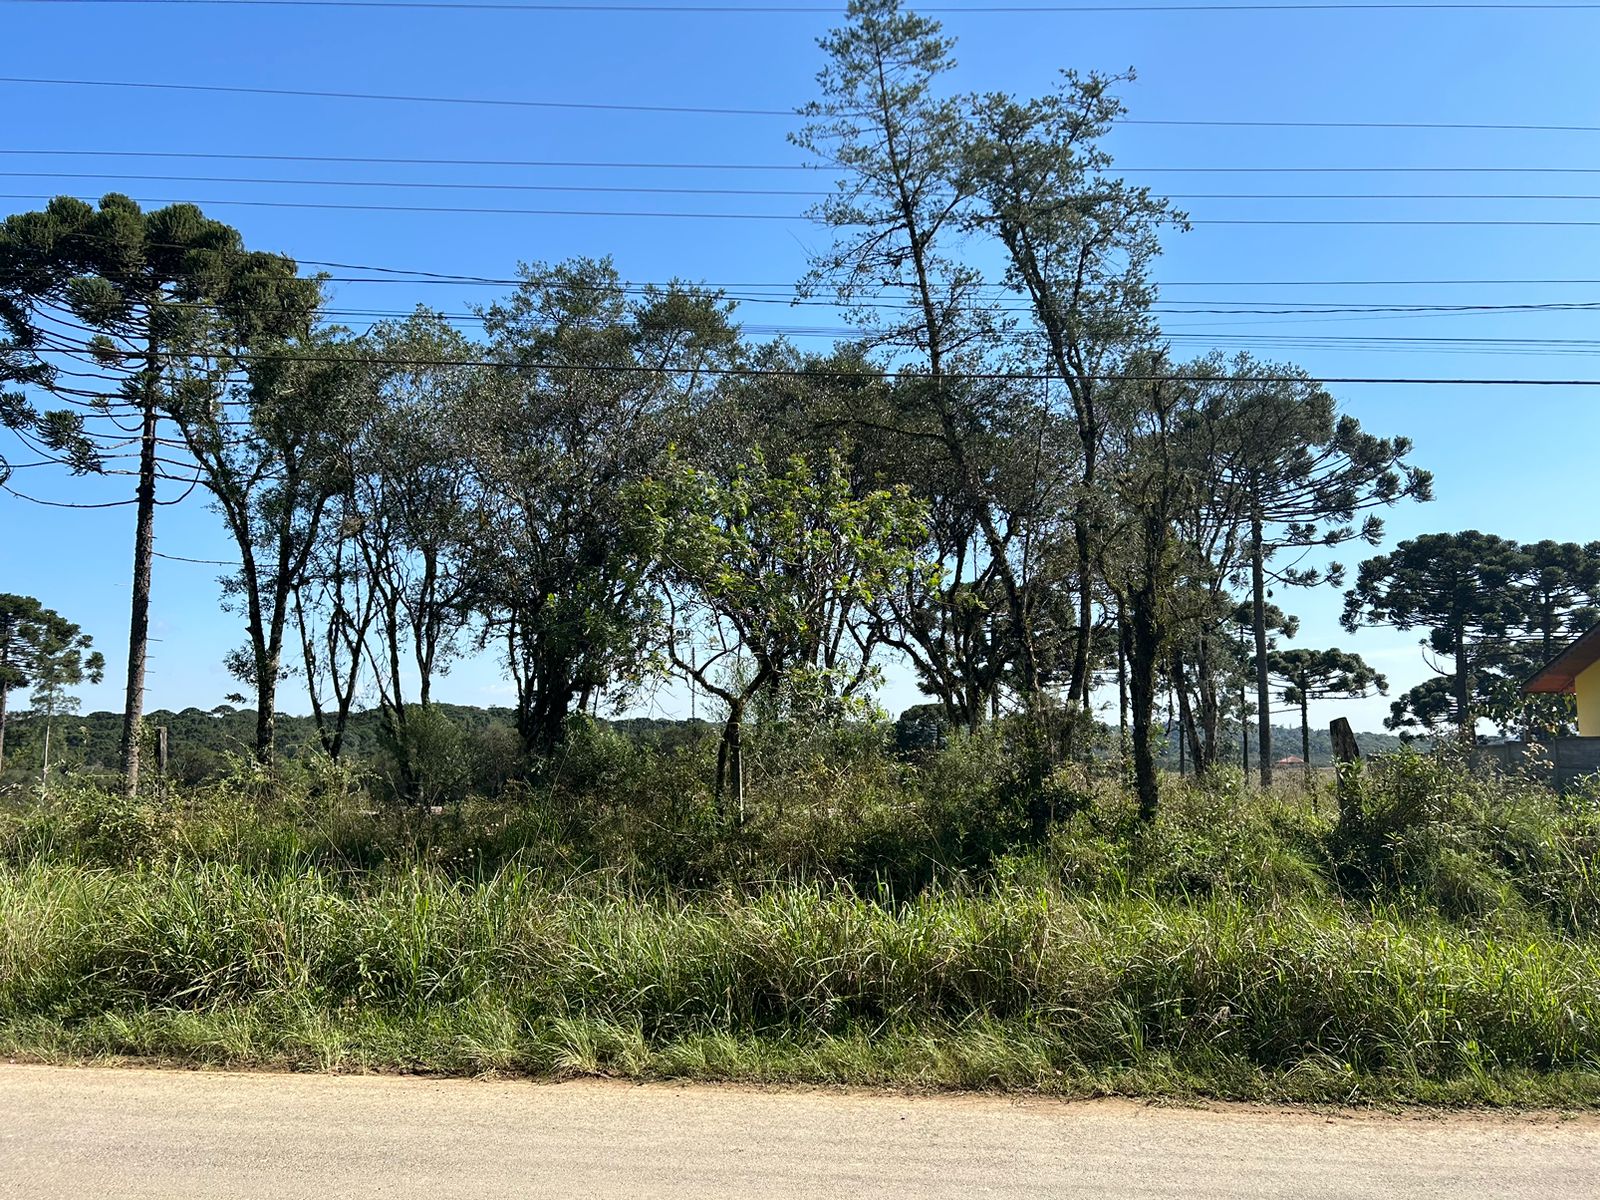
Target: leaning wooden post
<point>1346,756</point>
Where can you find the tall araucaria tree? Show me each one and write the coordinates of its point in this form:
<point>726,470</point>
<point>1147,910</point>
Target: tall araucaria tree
<point>1300,476</point>
<point>156,303</point>
<point>1459,588</point>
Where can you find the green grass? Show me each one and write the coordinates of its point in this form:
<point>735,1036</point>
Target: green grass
<point>1429,936</point>
<point>1001,985</point>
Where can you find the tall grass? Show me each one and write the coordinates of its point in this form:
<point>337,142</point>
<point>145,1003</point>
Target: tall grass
<point>1048,989</point>
<point>1430,935</point>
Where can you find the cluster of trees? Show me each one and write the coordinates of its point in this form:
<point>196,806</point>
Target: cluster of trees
<point>1011,486</point>
<point>1492,611</point>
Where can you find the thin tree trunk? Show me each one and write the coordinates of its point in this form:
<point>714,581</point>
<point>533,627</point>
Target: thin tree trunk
<point>266,709</point>
<point>4,693</point>
<point>143,559</point>
<point>1122,677</point>
<point>730,761</point>
<point>1244,727</point>
<point>1258,585</point>
<point>1144,646</point>
<point>1188,734</point>
<point>1463,688</point>
<point>1305,732</point>
<point>44,773</point>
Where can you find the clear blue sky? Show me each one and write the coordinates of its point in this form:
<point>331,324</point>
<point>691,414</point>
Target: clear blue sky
<point>1515,461</point>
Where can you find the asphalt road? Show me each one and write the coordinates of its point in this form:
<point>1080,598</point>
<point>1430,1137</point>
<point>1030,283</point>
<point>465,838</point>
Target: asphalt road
<point>121,1132</point>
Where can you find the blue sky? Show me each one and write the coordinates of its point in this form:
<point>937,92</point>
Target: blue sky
<point>1514,461</point>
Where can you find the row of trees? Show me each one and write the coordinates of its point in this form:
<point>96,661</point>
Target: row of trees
<point>1010,485</point>
<point>1491,611</point>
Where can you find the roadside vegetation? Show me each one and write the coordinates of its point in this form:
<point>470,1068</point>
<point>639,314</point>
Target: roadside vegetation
<point>877,920</point>
<point>998,484</point>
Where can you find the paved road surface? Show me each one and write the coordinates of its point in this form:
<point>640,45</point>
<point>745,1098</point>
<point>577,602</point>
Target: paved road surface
<point>97,1132</point>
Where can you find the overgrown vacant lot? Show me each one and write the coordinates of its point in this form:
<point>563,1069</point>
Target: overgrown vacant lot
<point>1435,940</point>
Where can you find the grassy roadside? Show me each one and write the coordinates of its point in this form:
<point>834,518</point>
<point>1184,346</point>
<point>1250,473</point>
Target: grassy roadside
<point>1003,985</point>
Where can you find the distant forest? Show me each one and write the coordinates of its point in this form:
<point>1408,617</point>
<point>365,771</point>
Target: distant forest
<point>200,742</point>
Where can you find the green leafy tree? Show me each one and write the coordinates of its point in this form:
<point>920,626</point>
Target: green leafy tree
<point>1309,675</point>
<point>895,141</point>
<point>157,301</point>
<point>1078,245</point>
<point>406,519</point>
<point>41,649</point>
<point>1161,470</point>
<point>1558,589</point>
<point>596,382</point>
<point>1560,586</point>
<point>68,663</point>
<point>273,462</point>
<point>750,566</point>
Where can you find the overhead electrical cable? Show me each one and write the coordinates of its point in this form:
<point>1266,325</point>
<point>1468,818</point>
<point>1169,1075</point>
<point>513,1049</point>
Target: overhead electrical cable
<point>889,373</point>
<point>701,110</point>
<point>488,185</point>
<point>968,10</point>
<point>728,166</point>
<point>641,214</point>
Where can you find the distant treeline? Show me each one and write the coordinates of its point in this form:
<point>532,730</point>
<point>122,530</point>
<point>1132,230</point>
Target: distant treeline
<point>201,741</point>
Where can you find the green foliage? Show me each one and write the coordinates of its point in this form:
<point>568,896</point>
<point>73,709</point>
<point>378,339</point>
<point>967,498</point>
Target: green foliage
<point>1495,608</point>
<point>425,759</point>
<point>1026,986</point>
<point>1421,830</point>
<point>1437,940</point>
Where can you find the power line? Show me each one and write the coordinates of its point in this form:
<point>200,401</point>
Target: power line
<point>206,562</point>
<point>698,110</point>
<point>432,162</point>
<point>437,185</point>
<point>486,281</point>
<point>482,100</point>
<point>729,166</point>
<point>724,191</point>
<point>460,210</point>
<point>885,373</point>
<point>446,277</point>
<point>836,10</point>
<point>1321,309</point>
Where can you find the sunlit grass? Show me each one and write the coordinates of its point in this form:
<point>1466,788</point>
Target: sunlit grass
<point>998,986</point>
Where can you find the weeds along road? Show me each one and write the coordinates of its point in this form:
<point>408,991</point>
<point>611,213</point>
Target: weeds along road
<point>139,1133</point>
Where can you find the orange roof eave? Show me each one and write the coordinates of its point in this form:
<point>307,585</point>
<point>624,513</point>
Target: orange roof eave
<point>1560,673</point>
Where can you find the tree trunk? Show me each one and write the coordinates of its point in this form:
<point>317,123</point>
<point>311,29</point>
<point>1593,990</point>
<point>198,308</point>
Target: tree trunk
<point>1078,686</point>
<point>4,692</point>
<point>1258,607</point>
<point>1188,733</point>
<point>1305,732</point>
<point>143,558</point>
<point>1244,728</point>
<point>44,773</point>
<point>1144,648</point>
<point>730,762</point>
<point>1463,688</point>
<point>1122,677</point>
<point>1208,725</point>
<point>266,711</point>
